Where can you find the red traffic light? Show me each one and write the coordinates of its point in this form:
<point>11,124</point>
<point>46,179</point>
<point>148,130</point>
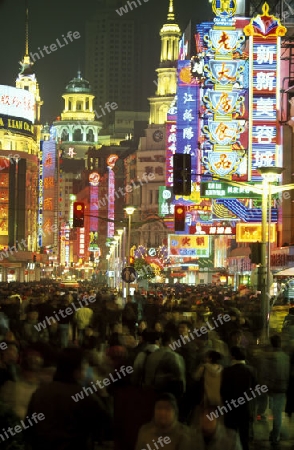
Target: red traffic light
<point>78,214</point>
<point>180,217</point>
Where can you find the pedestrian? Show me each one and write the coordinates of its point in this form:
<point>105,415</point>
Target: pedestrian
<point>165,427</point>
<point>237,381</point>
<point>277,375</point>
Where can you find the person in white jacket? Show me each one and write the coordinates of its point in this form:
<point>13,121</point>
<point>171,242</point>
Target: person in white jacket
<point>211,372</point>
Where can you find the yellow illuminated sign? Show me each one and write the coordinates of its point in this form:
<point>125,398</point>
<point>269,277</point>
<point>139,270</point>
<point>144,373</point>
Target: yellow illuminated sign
<point>252,232</point>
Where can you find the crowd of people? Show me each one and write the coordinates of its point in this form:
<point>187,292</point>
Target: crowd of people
<point>173,368</point>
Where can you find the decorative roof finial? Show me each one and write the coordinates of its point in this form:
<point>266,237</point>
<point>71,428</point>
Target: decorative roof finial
<point>27,30</point>
<point>171,14</point>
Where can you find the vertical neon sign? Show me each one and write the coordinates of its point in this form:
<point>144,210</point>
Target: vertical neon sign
<point>187,114</point>
<point>224,104</point>
<point>111,160</point>
<point>49,162</point>
<point>265,33</point>
<point>171,141</point>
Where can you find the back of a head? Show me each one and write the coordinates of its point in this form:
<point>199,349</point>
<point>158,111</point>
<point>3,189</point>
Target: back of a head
<point>214,356</point>
<point>276,341</point>
<point>166,338</point>
<point>69,361</point>
<point>151,337</point>
<point>237,353</point>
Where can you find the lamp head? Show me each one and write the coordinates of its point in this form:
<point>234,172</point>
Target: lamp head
<point>129,210</point>
<point>270,173</point>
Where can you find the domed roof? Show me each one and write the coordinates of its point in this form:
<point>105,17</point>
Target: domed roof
<point>79,84</point>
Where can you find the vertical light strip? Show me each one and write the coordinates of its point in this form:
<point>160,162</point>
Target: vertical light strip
<point>250,105</point>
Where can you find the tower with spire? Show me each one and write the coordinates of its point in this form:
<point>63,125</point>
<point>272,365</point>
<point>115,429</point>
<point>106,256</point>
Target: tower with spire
<point>167,72</point>
<point>26,78</point>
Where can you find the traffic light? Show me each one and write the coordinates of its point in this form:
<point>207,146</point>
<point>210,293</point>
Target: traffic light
<point>78,214</point>
<point>180,218</point>
<point>255,255</point>
<point>182,174</point>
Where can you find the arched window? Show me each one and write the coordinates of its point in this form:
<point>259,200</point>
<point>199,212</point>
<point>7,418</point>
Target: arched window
<point>64,135</point>
<point>77,136</point>
<point>90,136</point>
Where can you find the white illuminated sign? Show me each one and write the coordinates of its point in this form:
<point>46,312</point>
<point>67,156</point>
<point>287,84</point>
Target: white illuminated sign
<point>17,103</point>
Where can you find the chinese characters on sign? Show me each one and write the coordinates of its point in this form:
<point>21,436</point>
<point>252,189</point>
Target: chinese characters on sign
<point>188,245</point>
<point>264,103</point>
<point>171,146</point>
<point>47,182</point>
<point>265,33</point>
<point>16,102</point>
<point>187,118</point>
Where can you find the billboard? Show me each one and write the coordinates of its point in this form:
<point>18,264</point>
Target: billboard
<point>252,232</point>
<point>218,189</point>
<point>188,245</point>
<point>48,211</point>
<point>17,103</point>
<point>16,125</point>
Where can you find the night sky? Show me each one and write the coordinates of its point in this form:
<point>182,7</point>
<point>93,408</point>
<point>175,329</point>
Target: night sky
<point>49,20</point>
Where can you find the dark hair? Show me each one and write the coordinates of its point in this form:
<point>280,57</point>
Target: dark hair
<point>276,341</point>
<point>214,356</point>
<point>166,337</point>
<point>170,398</point>
<point>237,353</point>
<point>150,336</point>
<point>69,360</point>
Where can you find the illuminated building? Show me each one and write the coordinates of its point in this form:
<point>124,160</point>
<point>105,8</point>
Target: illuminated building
<point>74,133</point>
<point>227,119</point>
<point>77,128</point>
<point>19,175</point>
<point>150,159</point>
<point>167,72</point>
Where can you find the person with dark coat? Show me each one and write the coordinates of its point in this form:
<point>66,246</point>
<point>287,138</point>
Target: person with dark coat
<point>277,372</point>
<point>290,391</point>
<point>130,315</point>
<point>71,421</point>
<point>237,381</point>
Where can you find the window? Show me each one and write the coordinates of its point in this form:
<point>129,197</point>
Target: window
<point>77,136</point>
<point>157,196</point>
<point>150,196</point>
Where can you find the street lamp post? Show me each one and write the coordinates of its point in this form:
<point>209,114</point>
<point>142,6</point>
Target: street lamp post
<point>130,211</point>
<point>116,264</point>
<point>120,255</point>
<point>269,175</point>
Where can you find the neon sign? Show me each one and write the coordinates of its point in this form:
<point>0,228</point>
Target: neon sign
<point>264,32</point>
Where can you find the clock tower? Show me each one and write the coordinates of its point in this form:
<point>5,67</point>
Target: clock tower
<point>167,72</point>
